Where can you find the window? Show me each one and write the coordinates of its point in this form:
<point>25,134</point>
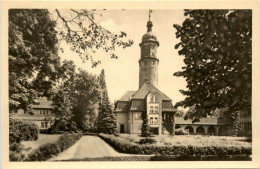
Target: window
<point>156,110</point>
<point>46,111</point>
<point>145,62</point>
<point>154,98</point>
<point>155,120</point>
<point>44,124</point>
<point>151,109</point>
<point>151,120</point>
<point>40,112</point>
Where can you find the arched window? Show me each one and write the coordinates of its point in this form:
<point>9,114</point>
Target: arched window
<point>154,98</point>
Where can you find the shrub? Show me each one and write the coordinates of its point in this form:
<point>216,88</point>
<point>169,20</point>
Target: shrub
<point>202,158</point>
<point>127,147</point>
<point>147,140</point>
<point>180,131</point>
<point>44,152</point>
<point>49,150</point>
<point>62,125</point>
<point>20,131</point>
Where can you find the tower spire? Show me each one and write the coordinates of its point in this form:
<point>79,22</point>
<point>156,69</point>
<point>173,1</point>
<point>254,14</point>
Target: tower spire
<point>150,11</point>
<point>149,23</point>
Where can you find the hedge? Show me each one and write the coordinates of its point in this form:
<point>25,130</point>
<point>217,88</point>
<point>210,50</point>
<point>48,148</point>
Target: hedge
<point>49,150</point>
<point>133,148</point>
<point>166,158</point>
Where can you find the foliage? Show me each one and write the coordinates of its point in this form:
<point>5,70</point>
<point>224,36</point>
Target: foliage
<point>19,131</point>
<point>145,126</point>
<point>106,121</point>
<point>217,49</point>
<point>44,152</point>
<point>49,150</point>
<point>147,140</point>
<point>202,158</point>
<point>169,123</point>
<point>180,131</point>
<point>62,125</point>
<point>85,36</point>
<point>133,148</point>
<point>87,91</point>
<point>32,56</point>
<point>180,112</point>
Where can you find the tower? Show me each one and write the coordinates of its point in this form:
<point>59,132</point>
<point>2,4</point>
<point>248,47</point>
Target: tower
<point>148,64</point>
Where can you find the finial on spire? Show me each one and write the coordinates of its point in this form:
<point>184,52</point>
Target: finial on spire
<point>149,23</point>
<point>150,11</point>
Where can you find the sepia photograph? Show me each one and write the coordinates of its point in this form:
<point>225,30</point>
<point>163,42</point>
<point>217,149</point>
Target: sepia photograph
<point>123,84</point>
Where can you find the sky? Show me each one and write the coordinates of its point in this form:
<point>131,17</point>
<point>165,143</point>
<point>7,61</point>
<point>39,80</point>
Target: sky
<point>122,74</point>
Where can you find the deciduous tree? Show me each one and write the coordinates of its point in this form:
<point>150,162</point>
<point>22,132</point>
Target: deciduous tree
<point>217,49</point>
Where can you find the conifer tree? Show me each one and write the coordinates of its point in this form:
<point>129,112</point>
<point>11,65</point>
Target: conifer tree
<point>106,117</point>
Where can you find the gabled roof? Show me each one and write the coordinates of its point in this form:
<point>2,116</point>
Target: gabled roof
<point>203,121</point>
<point>127,96</point>
<point>43,103</point>
<point>147,88</point>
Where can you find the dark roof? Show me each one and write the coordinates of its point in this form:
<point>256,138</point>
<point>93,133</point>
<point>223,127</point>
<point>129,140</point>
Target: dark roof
<point>203,121</point>
<point>43,103</point>
<point>122,106</point>
<point>127,96</point>
<point>147,88</point>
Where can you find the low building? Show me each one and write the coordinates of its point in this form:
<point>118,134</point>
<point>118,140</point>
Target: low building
<point>42,116</point>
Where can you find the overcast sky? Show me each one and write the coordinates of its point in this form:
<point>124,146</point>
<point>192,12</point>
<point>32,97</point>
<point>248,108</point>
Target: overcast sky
<point>122,74</point>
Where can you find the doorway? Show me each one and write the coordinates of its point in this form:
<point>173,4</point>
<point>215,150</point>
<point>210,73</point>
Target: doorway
<point>154,130</point>
<point>122,128</point>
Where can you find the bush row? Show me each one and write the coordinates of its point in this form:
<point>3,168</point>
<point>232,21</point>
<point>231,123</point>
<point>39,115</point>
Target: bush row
<point>202,158</point>
<point>49,150</point>
<point>168,158</point>
<point>132,148</point>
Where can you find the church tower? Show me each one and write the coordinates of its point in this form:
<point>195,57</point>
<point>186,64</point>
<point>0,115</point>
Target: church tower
<point>148,64</point>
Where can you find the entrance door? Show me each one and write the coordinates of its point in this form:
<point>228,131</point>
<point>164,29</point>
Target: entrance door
<point>154,130</point>
<point>122,128</point>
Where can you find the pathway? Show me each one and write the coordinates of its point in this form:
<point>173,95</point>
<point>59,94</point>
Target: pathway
<point>88,147</point>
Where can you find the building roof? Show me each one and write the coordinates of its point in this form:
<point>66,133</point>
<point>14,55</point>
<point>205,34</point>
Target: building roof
<point>147,88</point>
<point>127,96</point>
<point>203,121</point>
<point>43,103</point>
<point>33,118</point>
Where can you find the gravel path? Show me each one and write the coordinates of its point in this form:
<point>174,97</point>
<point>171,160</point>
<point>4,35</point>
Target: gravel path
<point>90,147</point>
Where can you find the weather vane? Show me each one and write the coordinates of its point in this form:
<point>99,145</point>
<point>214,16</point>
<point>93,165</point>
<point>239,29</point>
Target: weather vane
<point>150,11</point>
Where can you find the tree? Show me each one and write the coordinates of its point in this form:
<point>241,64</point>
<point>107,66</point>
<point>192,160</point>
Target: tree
<point>217,49</point>
<point>85,36</point>
<point>106,117</point>
<point>87,91</point>
<point>32,56</point>
<point>34,38</point>
<point>180,112</point>
<point>145,125</point>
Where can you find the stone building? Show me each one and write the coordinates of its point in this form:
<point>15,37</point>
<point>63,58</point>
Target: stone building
<point>148,98</point>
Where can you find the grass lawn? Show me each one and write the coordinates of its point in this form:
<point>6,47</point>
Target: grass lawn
<point>30,146</point>
<point>192,140</point>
